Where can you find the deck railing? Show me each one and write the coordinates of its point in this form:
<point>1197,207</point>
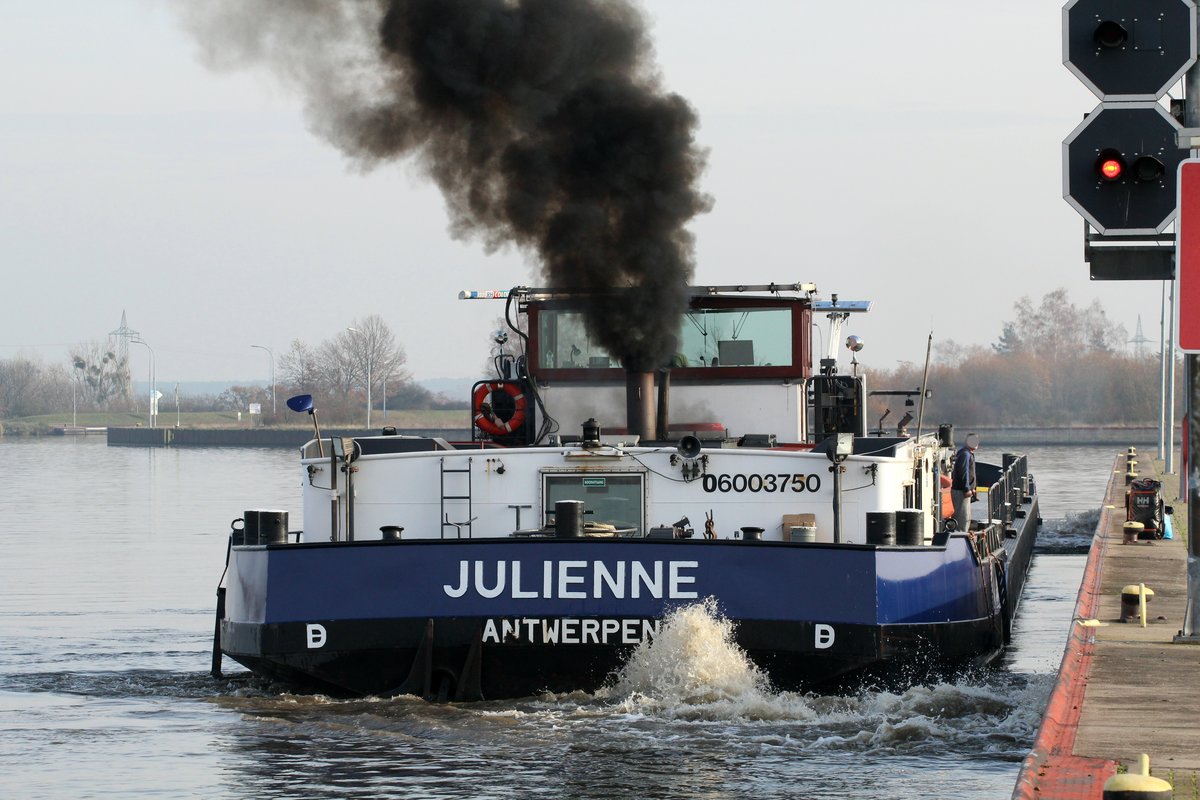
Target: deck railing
<point>1004,496</point>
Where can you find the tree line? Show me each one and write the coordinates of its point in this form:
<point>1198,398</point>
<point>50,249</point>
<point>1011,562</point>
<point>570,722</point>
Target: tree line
<point>96,378</point>
<point>336,372</point>
<point>1054,363</point>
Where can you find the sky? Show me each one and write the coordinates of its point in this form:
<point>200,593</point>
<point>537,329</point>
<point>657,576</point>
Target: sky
<point>905,153</point>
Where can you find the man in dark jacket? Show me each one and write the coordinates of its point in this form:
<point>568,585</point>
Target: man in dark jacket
<point>962,482</point>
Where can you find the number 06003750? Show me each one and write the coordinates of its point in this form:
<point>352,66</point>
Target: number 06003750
<point>775,482</point>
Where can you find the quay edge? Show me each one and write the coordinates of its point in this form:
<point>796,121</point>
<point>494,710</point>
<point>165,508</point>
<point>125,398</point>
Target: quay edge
<point>1122,689</point>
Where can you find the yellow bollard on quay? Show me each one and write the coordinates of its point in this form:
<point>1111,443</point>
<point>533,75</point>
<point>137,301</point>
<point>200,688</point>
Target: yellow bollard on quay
<point>1130,532</point>
<point>1138,785</point>
<point>1134,598</point>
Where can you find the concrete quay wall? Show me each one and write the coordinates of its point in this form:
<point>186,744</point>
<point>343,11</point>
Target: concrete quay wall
<point>1122,689</point>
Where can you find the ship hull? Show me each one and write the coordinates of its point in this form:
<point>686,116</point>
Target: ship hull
<point>474,619</point>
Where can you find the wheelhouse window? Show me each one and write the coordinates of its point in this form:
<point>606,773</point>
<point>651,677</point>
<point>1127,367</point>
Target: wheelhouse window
<point>565,343</point>
<point>737,337</point>
<point>740,336</point>
<point>616,499</point>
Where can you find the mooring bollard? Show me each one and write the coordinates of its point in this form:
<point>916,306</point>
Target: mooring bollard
<point>1134,598</point>
<point>1130,532</point>
<point>1138,785</point>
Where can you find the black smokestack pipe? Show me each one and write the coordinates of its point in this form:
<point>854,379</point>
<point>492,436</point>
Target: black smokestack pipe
<point>664,405</point>
<point>639,404</point>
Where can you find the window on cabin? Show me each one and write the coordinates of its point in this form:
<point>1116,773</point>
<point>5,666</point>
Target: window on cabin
<point>564,343</point>
<point>608,498</point>
<point>733,337</point>
<point>724,337</point>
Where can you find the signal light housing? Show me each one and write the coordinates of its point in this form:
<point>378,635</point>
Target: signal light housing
<point>1119,168</point>
<point>1129,50</point>
<point>1110,34</point>
<point>1110,166</point>
<point>1148,168</point>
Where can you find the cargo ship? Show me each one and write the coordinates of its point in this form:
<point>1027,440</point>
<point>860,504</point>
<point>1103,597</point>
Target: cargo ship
<point>592,498</point>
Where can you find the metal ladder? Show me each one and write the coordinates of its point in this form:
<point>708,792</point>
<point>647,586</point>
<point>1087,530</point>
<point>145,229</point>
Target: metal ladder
<point>445,517</point>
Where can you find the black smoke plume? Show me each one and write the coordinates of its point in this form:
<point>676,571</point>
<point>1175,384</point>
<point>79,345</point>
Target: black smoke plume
<point>543,122</point>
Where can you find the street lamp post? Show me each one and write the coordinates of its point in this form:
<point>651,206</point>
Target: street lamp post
<point>270,353</point>
<point>369,358</point>
<point>150,377</point>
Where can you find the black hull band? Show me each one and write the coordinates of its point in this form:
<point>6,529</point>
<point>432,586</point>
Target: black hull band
<point>462,658</point>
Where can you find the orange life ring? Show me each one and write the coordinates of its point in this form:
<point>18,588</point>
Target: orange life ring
<point>490,423</point>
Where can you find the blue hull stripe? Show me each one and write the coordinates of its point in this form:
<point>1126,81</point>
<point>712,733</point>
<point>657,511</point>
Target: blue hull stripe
<point>605,578</point>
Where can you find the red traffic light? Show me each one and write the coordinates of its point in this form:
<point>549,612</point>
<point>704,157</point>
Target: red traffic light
<point>1110,165</point>
<point>1111,168</point>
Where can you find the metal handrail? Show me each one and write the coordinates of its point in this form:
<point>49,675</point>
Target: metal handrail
<point>1006,494</point>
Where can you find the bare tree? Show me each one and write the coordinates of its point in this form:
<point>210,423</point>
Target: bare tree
<point>29,388</point>
<point>336,368</point>
<point>372,355</point>
<point>1056,329</point>
<point>99,373</point>
<point>239,398</point>
<point>1101,333</point>
<point>300,368</point>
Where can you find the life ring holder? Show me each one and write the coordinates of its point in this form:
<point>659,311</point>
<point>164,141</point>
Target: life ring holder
<point>489,423</point>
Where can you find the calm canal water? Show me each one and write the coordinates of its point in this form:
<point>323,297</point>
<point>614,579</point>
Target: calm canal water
<point>109,560</point>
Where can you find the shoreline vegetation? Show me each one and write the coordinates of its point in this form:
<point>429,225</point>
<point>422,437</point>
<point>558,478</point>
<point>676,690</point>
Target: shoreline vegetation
<point>1058,373</point>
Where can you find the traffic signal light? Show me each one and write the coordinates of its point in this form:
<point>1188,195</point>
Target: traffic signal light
<point>1111,166</point>
<point>1129,49</point>
<point>1119,168</point>
<point>1120,163</point>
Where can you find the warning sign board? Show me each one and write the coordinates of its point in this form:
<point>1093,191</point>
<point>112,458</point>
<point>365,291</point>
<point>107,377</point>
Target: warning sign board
<point>1187,255</point>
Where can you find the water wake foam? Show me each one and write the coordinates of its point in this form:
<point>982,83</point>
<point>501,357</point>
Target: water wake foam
<point>694,687</point>
<point>693,658</point>
<point>993,719</point>
<point>693,669</point>
<point>1070,534</point>
<point>693,672</point>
